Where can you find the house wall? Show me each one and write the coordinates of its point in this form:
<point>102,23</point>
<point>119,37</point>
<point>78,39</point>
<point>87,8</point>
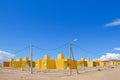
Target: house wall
<point>5,64</point>
<point>38,64</point>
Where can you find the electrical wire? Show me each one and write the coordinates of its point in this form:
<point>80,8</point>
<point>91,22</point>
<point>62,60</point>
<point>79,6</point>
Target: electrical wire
<point>81,48</point>
<point>21,50</point>
<point>42,49</point>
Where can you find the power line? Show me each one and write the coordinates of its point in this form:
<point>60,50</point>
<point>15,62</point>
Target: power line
<point>21,50</point>
<point>82,48</point>
<point>42,49</point>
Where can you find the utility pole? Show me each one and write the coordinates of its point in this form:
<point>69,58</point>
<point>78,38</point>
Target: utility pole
<point>31,68</point>
<point>72,58</point>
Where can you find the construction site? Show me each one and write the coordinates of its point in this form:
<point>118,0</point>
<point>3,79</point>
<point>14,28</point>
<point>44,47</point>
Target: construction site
<point>59,63</point>
<point>60,68</point>
<point>53,69</point>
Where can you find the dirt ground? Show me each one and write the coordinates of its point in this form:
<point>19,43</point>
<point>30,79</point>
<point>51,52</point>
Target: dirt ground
<point>96,73</point>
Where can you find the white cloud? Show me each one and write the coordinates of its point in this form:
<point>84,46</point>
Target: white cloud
<point>109,56</point>
<point>5,56</point>
<point>118,49</point>
<point>114,23</point>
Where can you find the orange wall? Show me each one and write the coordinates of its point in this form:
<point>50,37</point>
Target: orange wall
<point>5,64</point>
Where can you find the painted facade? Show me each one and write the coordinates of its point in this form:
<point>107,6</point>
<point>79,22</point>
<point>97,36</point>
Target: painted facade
<point>59,63</point>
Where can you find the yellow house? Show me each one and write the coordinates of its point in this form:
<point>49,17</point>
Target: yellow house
<point>20,63</point>
<point>38,64</point>
<point>85,63</point>
<point>62,63</point>
<point>17,63</point>
<point>46,63</point>
<point>26,62</point>
<point>102,64</point>
<point>59,63</point>
<point>118,63</point>
<point>11,62</point>
<point>89,63</point>
<point>98,63</point>
<point>114,62</point>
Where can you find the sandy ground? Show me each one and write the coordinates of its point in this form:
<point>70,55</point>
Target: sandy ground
<point>98,73</point>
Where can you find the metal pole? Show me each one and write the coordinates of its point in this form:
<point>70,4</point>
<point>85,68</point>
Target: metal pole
<point>74,61</point>
<point>31,68</point>
<point>70,59</point>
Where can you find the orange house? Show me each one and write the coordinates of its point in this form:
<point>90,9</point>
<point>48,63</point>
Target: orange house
<point>5,64</point>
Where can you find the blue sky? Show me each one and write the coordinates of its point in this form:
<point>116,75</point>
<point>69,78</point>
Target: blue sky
<point>52,23</point>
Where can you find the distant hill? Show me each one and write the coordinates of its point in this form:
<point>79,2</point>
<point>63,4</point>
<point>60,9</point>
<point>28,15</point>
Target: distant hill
<point>112,60</point>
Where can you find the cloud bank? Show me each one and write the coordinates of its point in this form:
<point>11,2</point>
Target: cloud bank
<point>109,56</point>
<point>117,49</point>
<point>114,23</point>
<point>5,56</point>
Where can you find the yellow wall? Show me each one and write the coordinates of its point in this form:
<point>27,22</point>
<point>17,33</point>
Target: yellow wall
<point>59,63</point>
<point>62,63</point>
<point>85,63</point>
<point>26,62</point>
<point>74,64</point>
<point>102,64</point>
<point>11,62</point>
<point>89,64</point>
<point>118,63</point>
<point>60,56</point>
<point>16,64</point>
<point>96,63</point>
<point>46,63</point>
<point>38,64</point>
<point>21,63</point>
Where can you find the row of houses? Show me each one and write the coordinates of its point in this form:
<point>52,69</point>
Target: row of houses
<point>87,63</point>
<point>45,63</point>
<point>59,63</point>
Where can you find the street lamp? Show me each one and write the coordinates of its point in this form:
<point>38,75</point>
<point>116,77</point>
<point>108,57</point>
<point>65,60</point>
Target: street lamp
<point>72,56</point>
